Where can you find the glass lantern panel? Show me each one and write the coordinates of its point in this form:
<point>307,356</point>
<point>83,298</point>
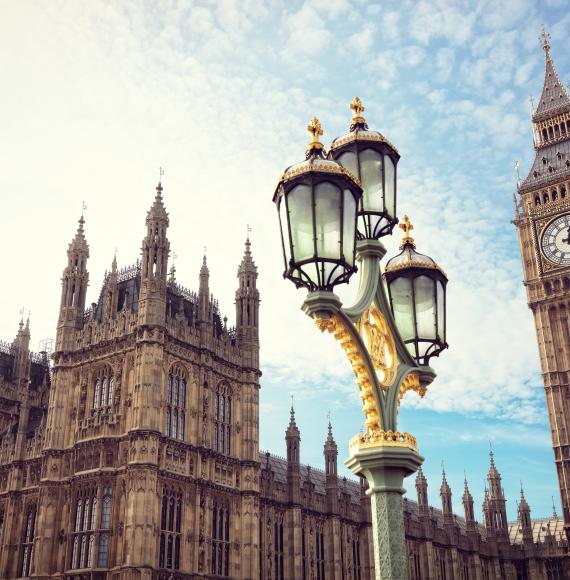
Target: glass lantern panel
<point>301,222</point>
<point>401,294</point>
<point>424,291</point>
<point>440,311</point>
<point>348,226</point>
<point>284,230</point>
<point>349,161</point>
<point>390,186</point>
<point>328,220</point>
<point>371,178</point>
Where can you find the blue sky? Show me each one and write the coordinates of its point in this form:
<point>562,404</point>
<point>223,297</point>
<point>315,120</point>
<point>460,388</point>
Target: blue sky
<point>99,95</point>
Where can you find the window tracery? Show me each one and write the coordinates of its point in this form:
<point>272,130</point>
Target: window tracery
<point>91,528</point>
<point>176,403</point>
<point>103,391</point>
<point>27,545</point>
<point>220,539</point>
<point>171,529</point>
<point>223,420</point>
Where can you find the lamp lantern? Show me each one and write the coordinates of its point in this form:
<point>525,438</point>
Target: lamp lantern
<point>416,288</point>
<point>317,202</point>
<point>373,160</point>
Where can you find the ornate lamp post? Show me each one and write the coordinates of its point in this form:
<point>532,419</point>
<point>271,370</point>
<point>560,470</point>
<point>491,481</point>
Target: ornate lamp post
<point>332,210</point>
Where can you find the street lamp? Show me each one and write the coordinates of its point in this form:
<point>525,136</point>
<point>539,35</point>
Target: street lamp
<point>332,210</point>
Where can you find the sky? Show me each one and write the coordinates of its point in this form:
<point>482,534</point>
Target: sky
<point>98,95</point>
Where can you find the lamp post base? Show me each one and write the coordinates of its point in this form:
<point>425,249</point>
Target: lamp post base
<point>385,468</point>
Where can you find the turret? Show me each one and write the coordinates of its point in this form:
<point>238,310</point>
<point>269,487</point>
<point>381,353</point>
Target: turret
<point>155,250</point>
<point>422,492</point>
<point>293,440</point>
<point>487,519</point>
<point>497,501</point>
<point>247,309</point>
<point>524,517</point>
<point>468,509</point>
<point>445,494</point>
<point>21,375</point>
<point>330,452</point>
<point>21,350</point>
<point>111,292</point>
<point>73,290</point>
<point>204,292</point>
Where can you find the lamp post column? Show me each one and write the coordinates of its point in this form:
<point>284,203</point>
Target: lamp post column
<point>385,468</point>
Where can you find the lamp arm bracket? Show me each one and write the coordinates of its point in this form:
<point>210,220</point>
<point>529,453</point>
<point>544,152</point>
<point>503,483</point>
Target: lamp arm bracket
<point>368,253</point>
<point>371,392</point>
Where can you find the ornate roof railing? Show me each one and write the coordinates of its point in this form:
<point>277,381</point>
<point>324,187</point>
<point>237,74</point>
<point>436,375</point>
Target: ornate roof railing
<point>129,272</point>
<point>5,347</point>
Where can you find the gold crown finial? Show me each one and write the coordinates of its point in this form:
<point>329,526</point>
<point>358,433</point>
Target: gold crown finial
<point>545,38</point>
<point>406,226</point>
<point>315,129</point>
<point>357,109</point>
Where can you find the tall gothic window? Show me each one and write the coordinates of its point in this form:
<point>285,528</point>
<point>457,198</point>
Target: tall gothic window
<point>320,552</point>
<point>220,540</point>
<point>278,546</point>
<point>222,421</point>
<point>171,530</point>
<point>176,404</point>
<point>27,546</point>
<point>356,556</point>
<point>91,528</point>
<point>103,391</point>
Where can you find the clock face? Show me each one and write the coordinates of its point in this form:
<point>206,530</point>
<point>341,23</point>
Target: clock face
<point>556,241</point>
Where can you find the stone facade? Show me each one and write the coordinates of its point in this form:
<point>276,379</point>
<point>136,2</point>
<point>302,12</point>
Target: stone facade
<point>542,216</point>
<point>136,454</point>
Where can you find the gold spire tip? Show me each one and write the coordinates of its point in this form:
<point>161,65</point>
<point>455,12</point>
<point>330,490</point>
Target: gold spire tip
<point>357,109</point>
<point>315,129</point>
<point>406,226</point>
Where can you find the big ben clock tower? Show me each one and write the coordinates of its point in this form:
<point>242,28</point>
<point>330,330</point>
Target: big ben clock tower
<point>543,223</point>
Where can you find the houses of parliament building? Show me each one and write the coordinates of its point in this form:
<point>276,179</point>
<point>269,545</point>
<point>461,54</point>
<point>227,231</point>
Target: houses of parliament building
<point>134,454</point>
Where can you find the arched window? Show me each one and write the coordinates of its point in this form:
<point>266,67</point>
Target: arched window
<point>27,544</point>
<point>171,530</point>
<point>223,420</point>
<point>220,539</point>
<point>176,404</point>
<point>91,528</point>
<point>278,547</point>
<point>103,391</point>
<point>320,545</point>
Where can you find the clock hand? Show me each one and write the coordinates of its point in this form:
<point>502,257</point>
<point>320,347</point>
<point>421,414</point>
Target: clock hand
<point>567,240</point>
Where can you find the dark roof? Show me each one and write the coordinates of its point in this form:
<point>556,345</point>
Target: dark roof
<point>279,467</point>
<point>550,165</point>
<point>553,98</point>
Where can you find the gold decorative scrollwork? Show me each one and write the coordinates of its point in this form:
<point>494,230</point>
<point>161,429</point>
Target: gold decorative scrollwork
<point>411,383</point>
<point>365,382</point>
<point>379,438</point>
<point>376,334</point>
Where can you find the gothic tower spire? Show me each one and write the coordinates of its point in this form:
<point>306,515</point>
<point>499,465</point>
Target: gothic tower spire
<point>497,504</point>
<point>73,289</point>
<point>155,250</point>
<point>247,309</point>
<point>525,521</point>
<point>468,507</point>
<point>445,494</point>
<point>330,452</point>
<point>422,493</point>
<point>293,441</point>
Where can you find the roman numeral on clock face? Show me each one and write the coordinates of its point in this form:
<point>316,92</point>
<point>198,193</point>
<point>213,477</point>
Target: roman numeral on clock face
<point>555,242</point>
